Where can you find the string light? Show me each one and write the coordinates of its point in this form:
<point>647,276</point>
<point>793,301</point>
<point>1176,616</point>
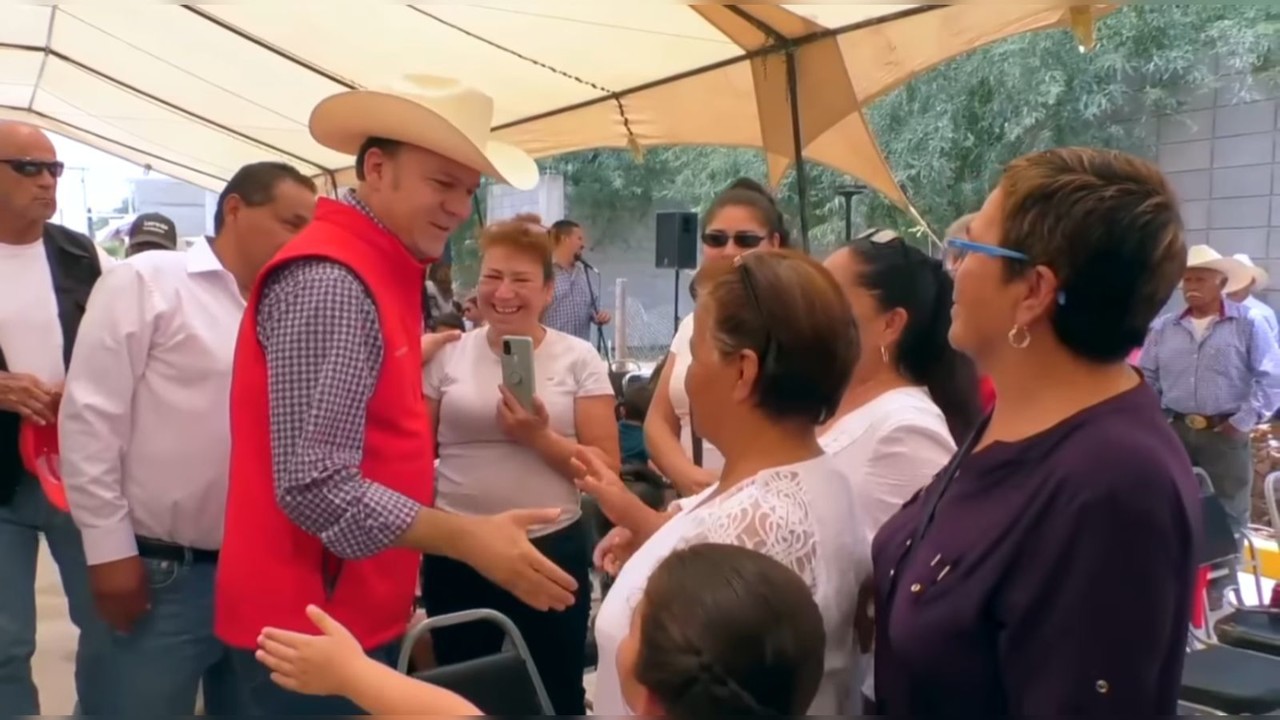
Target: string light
<point>637,150</point>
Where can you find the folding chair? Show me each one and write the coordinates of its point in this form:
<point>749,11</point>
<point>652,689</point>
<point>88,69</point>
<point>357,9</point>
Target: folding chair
<point>505,683</point>
<point>1252,627</point>
<point>1227,679</point>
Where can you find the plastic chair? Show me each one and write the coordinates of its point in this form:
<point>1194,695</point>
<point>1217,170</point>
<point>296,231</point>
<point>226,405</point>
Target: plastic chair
<point>505,683</point>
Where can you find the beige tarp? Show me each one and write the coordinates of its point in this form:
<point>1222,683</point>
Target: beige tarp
<point>195,91</point>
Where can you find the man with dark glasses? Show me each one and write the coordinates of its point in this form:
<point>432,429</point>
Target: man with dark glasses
<point>46,274</point>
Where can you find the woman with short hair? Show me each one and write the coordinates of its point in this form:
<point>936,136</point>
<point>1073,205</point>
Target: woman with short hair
<point>497,456</point>
<point>772,348</point>
<point>1048,568</point>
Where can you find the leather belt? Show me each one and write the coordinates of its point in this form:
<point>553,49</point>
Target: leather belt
<point>161,550</point>
<point>1200,422</point>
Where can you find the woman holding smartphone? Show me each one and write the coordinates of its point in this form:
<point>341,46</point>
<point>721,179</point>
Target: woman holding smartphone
<point>497,453</point>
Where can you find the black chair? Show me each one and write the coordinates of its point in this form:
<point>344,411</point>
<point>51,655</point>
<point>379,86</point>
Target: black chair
<point>1233,681</point>
<point>1227,679</point>
<point>503,684</point>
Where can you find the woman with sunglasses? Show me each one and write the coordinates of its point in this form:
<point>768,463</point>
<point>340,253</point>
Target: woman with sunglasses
<point>763,376</point>
<point>1048,568</point>
<point>742,218</point>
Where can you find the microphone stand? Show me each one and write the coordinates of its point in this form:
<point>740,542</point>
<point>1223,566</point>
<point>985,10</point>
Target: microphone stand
<point>602,347</point>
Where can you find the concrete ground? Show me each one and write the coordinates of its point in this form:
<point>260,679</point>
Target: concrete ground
<point>54,664</point>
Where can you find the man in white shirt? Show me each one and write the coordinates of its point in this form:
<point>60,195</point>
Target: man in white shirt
<point>1244,294</point>
<point>145,438</point>
<point>46,274</point>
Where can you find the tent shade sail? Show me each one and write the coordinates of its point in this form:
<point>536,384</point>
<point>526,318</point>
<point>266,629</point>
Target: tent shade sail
<point>196,91</point>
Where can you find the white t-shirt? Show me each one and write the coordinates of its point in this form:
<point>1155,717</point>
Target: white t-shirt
<point>1200,326</point>
<point>482,471</point>
<point>711,458</point>
<point>804,516</point>
<point>887,450</point>
<point>30,333</point>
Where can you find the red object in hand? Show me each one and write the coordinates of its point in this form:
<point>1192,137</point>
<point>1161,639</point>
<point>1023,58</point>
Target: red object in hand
<point>38,445</point>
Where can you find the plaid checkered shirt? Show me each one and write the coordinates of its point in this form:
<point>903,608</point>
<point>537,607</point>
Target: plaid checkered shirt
<point>319,330</point>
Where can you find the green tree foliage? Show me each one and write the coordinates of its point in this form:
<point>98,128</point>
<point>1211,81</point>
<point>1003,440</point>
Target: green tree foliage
<point>948,132</point>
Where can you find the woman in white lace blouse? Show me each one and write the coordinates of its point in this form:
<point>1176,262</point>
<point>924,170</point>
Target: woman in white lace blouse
<point>763,376</point>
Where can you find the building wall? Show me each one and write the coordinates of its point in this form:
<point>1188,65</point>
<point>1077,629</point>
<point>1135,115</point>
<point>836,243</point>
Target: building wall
<point>190,207</point>
<point>1222,154</point>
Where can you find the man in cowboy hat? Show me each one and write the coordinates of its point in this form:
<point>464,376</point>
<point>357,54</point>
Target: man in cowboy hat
<point>1217,371</point>
<point>332,443</point>
<point>1244,294</point>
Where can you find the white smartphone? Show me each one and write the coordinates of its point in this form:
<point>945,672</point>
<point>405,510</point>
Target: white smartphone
<point>517,368</point>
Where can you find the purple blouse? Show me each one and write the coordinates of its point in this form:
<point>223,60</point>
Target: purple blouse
<point>1055,578</point>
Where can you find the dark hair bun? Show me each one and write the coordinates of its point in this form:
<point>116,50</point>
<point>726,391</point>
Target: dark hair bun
<point>746,183</point>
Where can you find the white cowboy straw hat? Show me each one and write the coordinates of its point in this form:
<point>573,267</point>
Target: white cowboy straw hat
<point>1259,276</point>
<point>1203,256</point>
<point>438,114</point>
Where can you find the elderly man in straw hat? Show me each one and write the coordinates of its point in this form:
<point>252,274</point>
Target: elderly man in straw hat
<point>1244,294</point>
<point>1217,371</point>
<point>332,443</point>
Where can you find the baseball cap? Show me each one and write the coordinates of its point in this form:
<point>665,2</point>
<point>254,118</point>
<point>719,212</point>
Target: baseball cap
<point>152,230</point>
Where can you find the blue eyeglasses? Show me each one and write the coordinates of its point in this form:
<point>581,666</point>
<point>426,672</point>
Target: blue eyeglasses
<point>961,248</point>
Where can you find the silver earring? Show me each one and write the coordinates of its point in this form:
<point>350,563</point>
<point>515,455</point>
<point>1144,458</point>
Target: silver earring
<point>1019,337</point>
<point>884,355</point>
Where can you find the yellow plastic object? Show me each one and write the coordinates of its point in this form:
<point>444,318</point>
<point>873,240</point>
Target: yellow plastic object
<point>1268,554</point>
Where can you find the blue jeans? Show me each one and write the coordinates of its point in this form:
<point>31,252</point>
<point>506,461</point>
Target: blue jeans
<point>157,668</point>
<point>22,522</point>
<point>263,697</point>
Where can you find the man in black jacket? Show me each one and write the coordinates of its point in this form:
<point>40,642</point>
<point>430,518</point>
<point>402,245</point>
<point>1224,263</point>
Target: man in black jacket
<point>46,274</point>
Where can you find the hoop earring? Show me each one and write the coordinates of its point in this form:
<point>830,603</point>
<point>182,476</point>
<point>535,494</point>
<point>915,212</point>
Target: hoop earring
<point>884,355</point>
<point>1019,337</point>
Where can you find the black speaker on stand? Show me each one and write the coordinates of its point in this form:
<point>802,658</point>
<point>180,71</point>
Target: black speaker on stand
<point>676,248</point>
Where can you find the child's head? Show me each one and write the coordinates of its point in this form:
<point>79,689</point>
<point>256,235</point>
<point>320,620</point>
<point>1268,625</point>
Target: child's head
<point>634,404</point>
<point>722,630</point>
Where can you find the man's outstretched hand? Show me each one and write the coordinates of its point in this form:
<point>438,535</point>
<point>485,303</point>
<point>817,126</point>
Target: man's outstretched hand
<point>498,547</point>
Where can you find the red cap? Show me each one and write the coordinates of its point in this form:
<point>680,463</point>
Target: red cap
<point>38,445</point>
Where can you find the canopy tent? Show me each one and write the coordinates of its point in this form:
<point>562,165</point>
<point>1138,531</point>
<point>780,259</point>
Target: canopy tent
<point>196,91</point>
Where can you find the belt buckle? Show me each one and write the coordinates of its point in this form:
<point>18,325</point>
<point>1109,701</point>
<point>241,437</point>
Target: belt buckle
<point>1196,422</point>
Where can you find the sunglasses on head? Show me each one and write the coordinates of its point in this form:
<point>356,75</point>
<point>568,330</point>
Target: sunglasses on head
<point>882,238</point>
<point>743,239</point>
<point>34,168</point>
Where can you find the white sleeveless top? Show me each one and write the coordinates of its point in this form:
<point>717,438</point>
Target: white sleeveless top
<point>711,458</point>
<point>802,515</point>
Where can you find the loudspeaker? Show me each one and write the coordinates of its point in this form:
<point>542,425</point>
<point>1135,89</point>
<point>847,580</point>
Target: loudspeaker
<point>677,241</point>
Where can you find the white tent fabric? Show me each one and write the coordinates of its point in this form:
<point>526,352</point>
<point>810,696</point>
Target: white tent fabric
<point>196,91</point>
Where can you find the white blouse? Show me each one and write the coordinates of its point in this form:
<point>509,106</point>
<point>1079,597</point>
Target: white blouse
<point>804,516</point>
<point>711,458</point>
<point>888,449</point>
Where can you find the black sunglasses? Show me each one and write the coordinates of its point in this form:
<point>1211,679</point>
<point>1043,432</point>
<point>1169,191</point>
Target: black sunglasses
<point>33,168</point>
<point>744,239</point>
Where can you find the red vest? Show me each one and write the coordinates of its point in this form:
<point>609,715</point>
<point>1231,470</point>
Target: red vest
<point>270,569</point>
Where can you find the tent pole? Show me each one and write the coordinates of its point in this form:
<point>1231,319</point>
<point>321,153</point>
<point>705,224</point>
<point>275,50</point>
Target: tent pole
<point>797,146</point>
